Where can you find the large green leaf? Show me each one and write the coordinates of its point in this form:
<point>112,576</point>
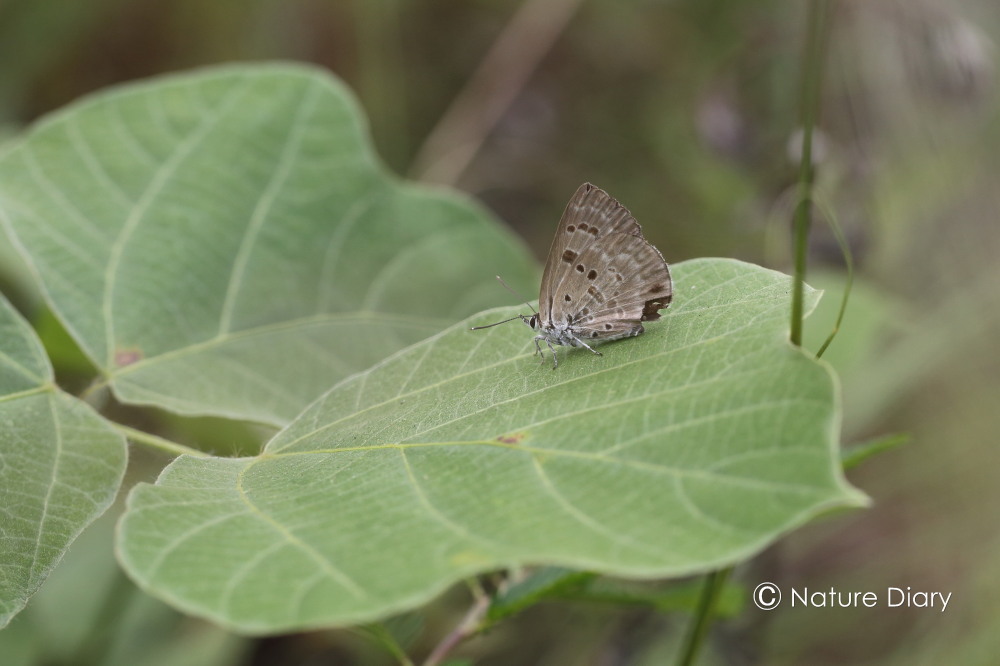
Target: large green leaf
<point>60,465</point>
<point>692,446</point>
<point>227,243</point>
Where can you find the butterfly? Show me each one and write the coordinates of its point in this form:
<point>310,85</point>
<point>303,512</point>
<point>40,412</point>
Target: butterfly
<point>602,278</point>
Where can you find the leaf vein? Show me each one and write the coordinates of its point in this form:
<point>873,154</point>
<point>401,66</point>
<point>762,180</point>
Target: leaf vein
<point>324,563</point>
<point>184,148</point>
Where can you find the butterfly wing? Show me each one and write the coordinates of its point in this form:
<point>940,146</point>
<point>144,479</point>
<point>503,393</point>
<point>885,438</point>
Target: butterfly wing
<point>590,215</point>
<point>602,277</point>
<point>625,282</point>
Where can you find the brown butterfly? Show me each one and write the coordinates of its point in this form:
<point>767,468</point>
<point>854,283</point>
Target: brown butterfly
<point>602,278</point>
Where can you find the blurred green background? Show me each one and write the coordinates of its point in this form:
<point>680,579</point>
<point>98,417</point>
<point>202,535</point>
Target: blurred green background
<point>685,110</point>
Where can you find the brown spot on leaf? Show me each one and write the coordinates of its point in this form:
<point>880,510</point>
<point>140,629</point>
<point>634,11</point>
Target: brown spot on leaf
<point>512,438</point>
<point>128,356</point>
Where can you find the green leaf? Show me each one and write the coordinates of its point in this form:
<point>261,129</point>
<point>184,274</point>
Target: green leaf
<point>60,465</point>
<point>682,596</point>
<point>545,583</point>
<point>226,242</point>
<point>88,612</point>
<point>859,453</point>
<point>686,449</point>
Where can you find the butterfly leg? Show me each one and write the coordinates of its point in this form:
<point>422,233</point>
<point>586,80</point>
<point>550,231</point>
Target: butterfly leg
<point>588,346</point>
<point>538,350</point>
<point>555,357</point>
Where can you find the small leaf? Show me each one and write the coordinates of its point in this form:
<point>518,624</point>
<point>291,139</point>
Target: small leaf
<point>682,596</point>
<point>60,465</point>
<point>542,584</point>
<point>226,242</point>
<point>688,448</point>
<point>859,453</point>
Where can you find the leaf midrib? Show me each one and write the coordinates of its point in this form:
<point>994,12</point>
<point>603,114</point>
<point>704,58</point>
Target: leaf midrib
<point>435,339</point>
<point>542,452</point>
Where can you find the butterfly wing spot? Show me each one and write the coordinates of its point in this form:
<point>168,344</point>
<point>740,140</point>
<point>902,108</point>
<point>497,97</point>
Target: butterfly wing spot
<point>592,274</point>
<point>570,228</point>
<point>569,256</point>
<point>579,268</point>
<point>568,298</point>
<point>596,293</point>
<point>650,311</point>
<point>583,226</point>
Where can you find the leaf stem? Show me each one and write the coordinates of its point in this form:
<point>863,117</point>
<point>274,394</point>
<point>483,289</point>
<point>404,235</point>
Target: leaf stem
<point>714,582</point>
<point>845,250</point>
<point>469,625</point>
<point>490,91</point>
<point>812,74</point>
<point>157,442</point>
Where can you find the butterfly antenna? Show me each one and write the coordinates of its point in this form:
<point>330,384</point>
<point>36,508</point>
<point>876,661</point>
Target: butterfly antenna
<point>511,290</point>
<point>476,328</point>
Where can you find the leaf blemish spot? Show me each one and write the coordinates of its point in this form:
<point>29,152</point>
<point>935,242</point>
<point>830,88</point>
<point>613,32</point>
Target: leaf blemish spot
<point>128,356</point>
<point>513,438</point>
